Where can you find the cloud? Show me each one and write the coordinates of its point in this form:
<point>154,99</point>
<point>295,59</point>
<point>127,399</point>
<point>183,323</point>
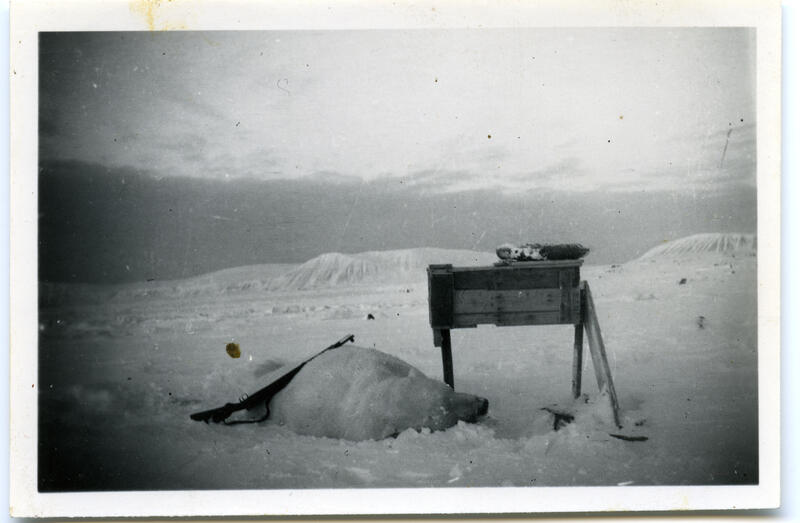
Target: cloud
<point>186,102</point>
<point>568,174</point>
<point>510,111</point>
<point>184,142</point>
<point>170,227</point>
<point>334,178</point>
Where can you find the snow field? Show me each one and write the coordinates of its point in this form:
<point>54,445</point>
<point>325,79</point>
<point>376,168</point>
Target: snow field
<point>119,379</point>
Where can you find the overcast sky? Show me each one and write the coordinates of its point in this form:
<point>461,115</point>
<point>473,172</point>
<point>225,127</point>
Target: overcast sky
<point>401,103</point>
<point>510,112</point>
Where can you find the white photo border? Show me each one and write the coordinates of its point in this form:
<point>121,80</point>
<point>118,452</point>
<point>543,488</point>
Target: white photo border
<point>30,17</point>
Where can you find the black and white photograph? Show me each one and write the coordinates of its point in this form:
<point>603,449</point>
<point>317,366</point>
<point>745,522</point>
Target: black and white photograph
<point>439,258</point>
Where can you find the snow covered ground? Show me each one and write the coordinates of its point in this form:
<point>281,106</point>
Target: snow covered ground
<point>121,368</point>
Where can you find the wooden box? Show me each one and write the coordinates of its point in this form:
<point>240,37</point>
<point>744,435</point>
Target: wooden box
<point>522,293</point>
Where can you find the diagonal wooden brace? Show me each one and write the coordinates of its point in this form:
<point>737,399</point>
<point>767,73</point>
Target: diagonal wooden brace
<point>597,350</point>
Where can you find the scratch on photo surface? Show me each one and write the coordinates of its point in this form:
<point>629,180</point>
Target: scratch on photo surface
<point>350,214</point>
<point>475,245</point>
<point>284,81</point>
<point>725,149</point>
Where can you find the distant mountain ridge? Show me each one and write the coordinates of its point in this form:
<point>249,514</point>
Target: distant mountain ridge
<point>336,269</point>
<point>324,271</point>
<point>721,243</point>
<point>403,265</point>
<point>225,281</point>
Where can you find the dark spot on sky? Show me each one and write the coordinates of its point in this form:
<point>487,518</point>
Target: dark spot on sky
<point>489,136</point>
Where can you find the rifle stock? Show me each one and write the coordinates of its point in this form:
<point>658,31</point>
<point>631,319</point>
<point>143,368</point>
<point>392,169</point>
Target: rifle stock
<point>217,415</point>
<point>220,414</point>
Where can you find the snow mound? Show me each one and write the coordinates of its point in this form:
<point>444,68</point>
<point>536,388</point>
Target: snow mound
<point>393,266</point>
<point>327,269</point>
<point>357,394</point>
<point>720,243</point>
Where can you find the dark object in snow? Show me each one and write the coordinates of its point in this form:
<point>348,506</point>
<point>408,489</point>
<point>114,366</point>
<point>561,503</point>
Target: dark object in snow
<point>233,350</point>
<point>262,396</point>
<point>629,438</point>
<point>682,282</point>
<point>539,252</point>
<point>370,316</point>
<point>701,321</point>
<point>560,419</point>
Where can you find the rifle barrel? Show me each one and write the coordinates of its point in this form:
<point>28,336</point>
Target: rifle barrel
<point>265,394</point>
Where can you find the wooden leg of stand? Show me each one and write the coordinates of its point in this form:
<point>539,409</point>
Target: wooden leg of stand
<point>598,351</point>
<point>447,358</point>
<point>577,361</point>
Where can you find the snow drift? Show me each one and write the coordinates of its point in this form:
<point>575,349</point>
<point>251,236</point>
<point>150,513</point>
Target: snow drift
<point>356,393</point>
<point>117,381</point>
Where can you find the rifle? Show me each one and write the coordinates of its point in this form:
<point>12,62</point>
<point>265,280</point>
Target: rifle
<point>221,414</point>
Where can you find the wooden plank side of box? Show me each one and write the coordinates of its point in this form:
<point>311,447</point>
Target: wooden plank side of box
<point>508,318</point>
<point>511,278</point>
<point>478,301</point>
<point>440,297</point>
<point>541,264</point>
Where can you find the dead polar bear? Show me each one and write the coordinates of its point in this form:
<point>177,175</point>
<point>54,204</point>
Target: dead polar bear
<point>357,394</point>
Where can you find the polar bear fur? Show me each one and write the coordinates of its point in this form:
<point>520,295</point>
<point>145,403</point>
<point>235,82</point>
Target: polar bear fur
<point>356,393</point>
